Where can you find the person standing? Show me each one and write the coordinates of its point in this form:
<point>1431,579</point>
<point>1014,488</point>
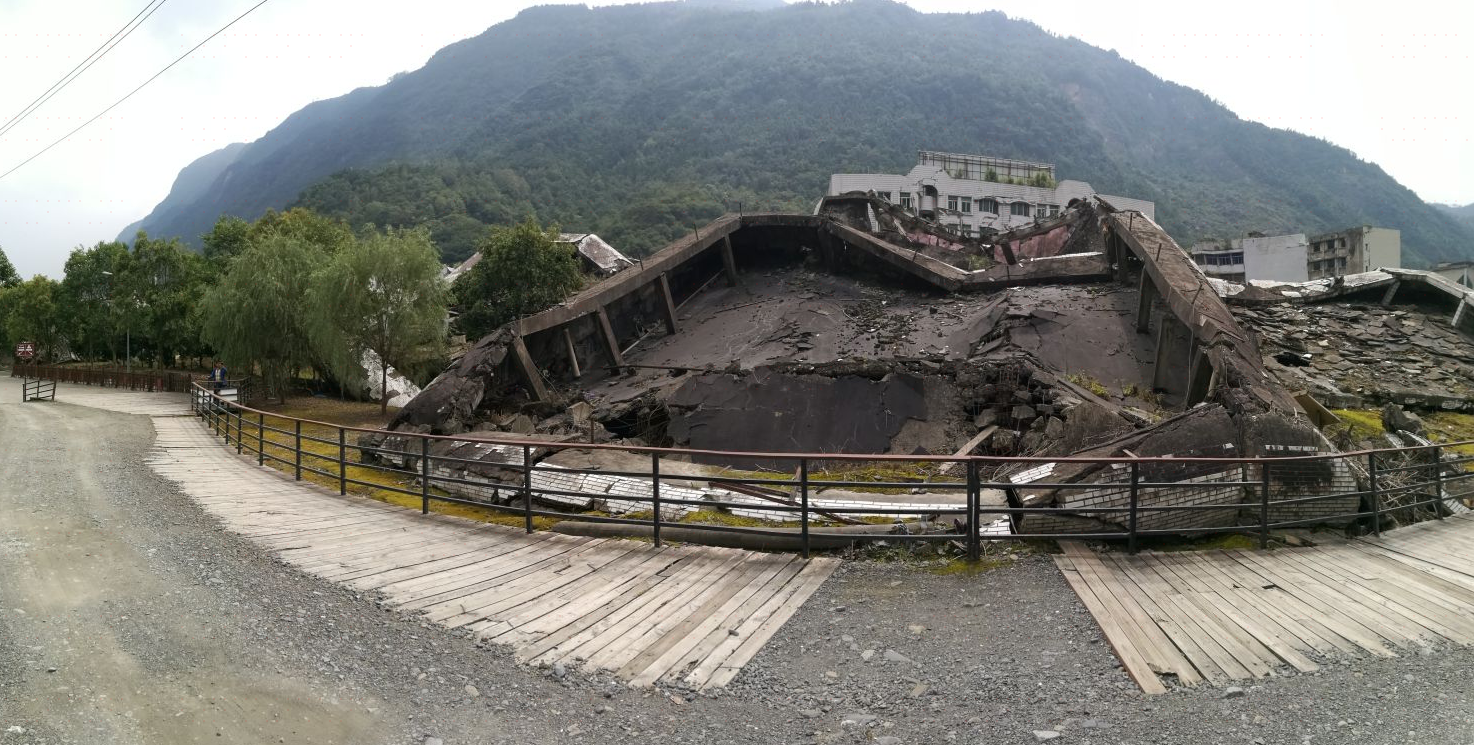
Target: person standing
<point>217,376</point>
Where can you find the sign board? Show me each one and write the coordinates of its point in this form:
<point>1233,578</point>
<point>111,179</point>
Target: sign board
<point>25,350</point>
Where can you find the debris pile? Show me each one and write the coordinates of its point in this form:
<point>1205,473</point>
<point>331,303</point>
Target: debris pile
<point>1356,355</point>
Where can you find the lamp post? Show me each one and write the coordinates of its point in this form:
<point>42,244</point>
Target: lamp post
<point>127,329</point>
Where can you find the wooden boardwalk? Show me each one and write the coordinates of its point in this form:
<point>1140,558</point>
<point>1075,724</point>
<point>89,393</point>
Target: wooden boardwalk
<point>677,613</point>
<point>1226,616</point>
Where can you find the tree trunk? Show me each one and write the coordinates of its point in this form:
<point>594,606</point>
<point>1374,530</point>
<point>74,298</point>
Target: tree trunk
<point>383,386</point>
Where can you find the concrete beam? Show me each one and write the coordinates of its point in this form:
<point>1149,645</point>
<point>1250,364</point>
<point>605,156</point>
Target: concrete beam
<point>611,344</point>
<point>529,370</point>
<point>729,261</point>
<point>1391,293</point>
<point>668,304</point>
<point>572,353</point>
<point>1461,313</point>
<point>1146,293</point>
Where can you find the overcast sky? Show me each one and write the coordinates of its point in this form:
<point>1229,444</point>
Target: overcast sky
<point>1391,83</point>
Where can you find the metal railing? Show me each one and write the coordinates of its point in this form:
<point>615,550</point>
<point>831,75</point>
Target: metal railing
<point>1138,498</point>
<point>153,381</point>
<point>36,389</point>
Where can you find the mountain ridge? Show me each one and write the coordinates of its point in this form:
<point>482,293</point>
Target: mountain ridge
<point>639,122</point>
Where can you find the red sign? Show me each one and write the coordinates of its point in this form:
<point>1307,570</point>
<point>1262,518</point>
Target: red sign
<point>25,350</point>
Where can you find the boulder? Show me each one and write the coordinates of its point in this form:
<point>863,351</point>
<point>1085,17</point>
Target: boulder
<point>1395,418</point>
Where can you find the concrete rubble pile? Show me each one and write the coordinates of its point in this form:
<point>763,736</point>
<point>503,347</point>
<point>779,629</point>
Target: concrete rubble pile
<point>1353,356</point>
<point>860,330</point>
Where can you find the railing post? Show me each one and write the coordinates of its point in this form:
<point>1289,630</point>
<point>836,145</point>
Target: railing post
<point>260,439</point>
<point>803,504</point>
<point>1438,482</point>
<point>655,497</point>
<point>424,475</point>
<point>1131,517</point>
<point>1263,504</point>
<point>342,461</point>
<point>297,447</point>
<point>974,512</point>
<point>527,487</point>
<point>240,430</point>
<point>1376,496</point>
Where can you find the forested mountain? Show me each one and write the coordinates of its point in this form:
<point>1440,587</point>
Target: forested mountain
<point>1463,214</point>
<point>642,121</point>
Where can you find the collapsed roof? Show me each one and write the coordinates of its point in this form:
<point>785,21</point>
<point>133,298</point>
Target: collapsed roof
<point>861,330</point>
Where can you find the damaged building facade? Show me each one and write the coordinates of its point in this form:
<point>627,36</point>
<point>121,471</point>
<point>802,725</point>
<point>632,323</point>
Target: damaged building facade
<point>1081,341</point>
<point>976,195</point>
<point>1295,258</point>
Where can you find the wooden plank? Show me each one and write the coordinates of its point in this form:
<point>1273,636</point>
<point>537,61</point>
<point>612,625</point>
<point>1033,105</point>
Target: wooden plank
<point>1258,626</point>
<point>758,629</point>
<point>1192,619</point>
<point>1252,595</point>
<point>1251,653</point>
<point>1132,659</point>
<point>1146,635</point>
<point>1182,637</point>
<point>1328,615</point>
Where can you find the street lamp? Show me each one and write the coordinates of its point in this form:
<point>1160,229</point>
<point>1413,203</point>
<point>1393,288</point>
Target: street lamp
<point>128,329</point>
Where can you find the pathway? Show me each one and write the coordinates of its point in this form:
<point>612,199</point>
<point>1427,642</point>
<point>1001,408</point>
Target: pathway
<point>645,614</point>
<point>1229,616</point>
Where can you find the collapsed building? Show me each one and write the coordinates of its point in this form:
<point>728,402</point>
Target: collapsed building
<point>864,329</point>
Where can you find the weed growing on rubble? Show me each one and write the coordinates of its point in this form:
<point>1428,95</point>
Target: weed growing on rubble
<point>1090,384</point>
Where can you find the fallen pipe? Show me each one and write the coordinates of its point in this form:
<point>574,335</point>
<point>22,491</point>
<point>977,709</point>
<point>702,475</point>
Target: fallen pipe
<point>790,540</point>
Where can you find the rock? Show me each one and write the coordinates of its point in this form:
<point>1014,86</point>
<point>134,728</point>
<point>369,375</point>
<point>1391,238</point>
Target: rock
<point>1054,428</point>
<point>810,713</point>
<point>472,691</point>
<point>1233,692</point>
<point>916,629</point>
<point>559,670</point>
<point>1043,735</point>
<point>433,741</point>
<point>857,719</point>
<point>892,655</point>
<point>574,730</point>
<point>1023,413</point>
<point>1396,418</point>
<point>580,412</point>
<point>867,655</point>
<point>985,417</point>
<point>1003,441</point>
<point>521,424</point>
<point>919,690</point>
<point>888,740</point>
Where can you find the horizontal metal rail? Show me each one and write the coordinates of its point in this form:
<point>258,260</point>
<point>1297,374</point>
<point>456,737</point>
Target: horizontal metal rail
<point>1108,510</point>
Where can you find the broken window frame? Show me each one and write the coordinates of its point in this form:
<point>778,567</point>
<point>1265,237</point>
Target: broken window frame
<point>988,205</point>
<point>1020,209</point>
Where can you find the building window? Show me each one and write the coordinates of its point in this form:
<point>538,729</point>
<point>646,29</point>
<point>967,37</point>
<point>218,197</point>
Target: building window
<point>952,203</point>
<point>966,204</point>
<point>989,205</point>
<point>1048,210</point>
<point>906,200</point>
<point>1019,209</point>
<point>884,195</point>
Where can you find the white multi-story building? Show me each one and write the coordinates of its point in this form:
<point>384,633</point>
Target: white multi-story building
<point>1295,258</point>
<point>970,192</point>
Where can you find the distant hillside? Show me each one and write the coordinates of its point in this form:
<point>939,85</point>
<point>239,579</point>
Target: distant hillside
<point>642,121</point>
<point>1464,214</point>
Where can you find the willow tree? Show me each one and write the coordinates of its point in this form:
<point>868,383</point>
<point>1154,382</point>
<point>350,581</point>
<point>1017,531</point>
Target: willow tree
<point>257,315</point>
<point>380,296</point>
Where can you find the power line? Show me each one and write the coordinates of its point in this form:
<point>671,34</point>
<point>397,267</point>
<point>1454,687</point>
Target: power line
<point>91,59</point>
<point>119,102</point>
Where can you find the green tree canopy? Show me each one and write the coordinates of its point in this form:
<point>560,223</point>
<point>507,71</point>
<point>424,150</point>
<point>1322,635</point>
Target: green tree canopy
<point>8,277</point>
<point>31,315</point>
<point>381,296</point>
<point>256,316</point>
<point>93,321</point>
<point>523,269</point>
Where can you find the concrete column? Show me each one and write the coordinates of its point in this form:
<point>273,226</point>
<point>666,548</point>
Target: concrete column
<point>1200,378</point>
<point>1391,292</point>
<point>668,304</point>
<point>611,344</point>
<point>1459,312</point>
<point>572,353</point>
<point>729,261</point>
<point>529,370</point>
<point>1147,293</point>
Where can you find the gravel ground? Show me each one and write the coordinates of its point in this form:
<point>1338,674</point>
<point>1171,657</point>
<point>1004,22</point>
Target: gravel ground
<point>128,616</point>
